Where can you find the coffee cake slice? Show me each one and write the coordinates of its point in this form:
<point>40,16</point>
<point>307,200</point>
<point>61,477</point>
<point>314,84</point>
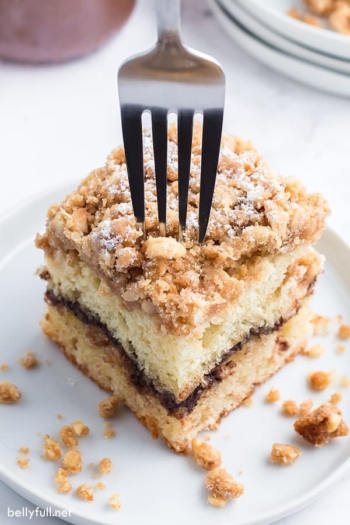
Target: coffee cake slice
<point>171,313</point>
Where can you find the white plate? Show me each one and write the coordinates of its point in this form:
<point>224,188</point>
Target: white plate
<point>240,14</point>
<point>156,486</point>
<point>274,14</point>
<point>309,74</point>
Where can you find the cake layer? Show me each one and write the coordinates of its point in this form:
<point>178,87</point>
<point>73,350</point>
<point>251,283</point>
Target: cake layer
<point>88,348</point>
<point>271,292</point>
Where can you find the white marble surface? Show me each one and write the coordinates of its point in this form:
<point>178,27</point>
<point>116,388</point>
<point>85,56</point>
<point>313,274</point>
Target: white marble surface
<point>57,123</point>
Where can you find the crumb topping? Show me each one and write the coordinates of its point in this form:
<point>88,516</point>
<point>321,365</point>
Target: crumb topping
<point>222,486</point>
<point>100,486</point>
<point>319,380</point>
<point>64,486</point>
<point>340,349</point>
<point>9,393</point>
<point>80,429</point>
<point>344,331</point>
<point>24,450</point>
<point>254,213</point>
<point>4,367</point>
<point>108,406</point>
<point>109,433</point>
<point>284,454</point>
<point>273,395</point>
<point>315,351</point>
<point>321,425</point>
<point>23,462</point>
<point>72,461</point>
<point>52,449</point>
<point>320,324</point>
<point>206,456</point>
<point>289,408</point>
<point>85,492</point>
<point>105,465</point>
<point>114,502</point>
<point>335,398</point>
<point>29,360</point>
<point>305,407</point>
<point>68,437</point>
<point>344,381</point>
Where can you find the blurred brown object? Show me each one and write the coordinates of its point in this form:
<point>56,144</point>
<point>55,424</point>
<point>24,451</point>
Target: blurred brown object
<point>45,31</point>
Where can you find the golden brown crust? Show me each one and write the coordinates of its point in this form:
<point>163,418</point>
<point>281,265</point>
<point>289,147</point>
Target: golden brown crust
<point>321,425</point>
<point>255,213</point>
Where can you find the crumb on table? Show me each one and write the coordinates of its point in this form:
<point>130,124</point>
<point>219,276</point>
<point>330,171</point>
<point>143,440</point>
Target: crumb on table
<point>108,406</point>
<point>9,393</point>
<point>68,437</point>
<point>319,380</point>
<point>24,450</point>
<point>273,395</point>
<point>289,408</point>
<point>72,461</point>
<point>222,487</point>
<point>52,449</point>
<point>114,502</point>
<point>4,367</point>
<point>206,456</point>
<point>335,398</point>
<point>23,462</point>
<point>29,360</point>
<point>344,381</point>
<point>321,425</point>
<point>314,351</point>
<point>80,428</point>
<point>344,331</point>
<point>85,492</point>
<point>284,454</point>
<point>105,465</point>
<point>305,407</point>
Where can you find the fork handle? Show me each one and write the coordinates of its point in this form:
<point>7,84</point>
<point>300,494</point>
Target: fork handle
<point>168,19</point>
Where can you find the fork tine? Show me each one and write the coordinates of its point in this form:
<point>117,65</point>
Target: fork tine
<point>212,129</point>
<point>133,145</point>
<point>160,149</point>
<point>184,141</point>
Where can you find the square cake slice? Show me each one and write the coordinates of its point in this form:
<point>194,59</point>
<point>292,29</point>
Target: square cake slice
<point>180,331</point>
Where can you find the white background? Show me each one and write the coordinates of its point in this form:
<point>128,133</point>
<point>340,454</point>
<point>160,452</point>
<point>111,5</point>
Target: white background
<point>57,123</point>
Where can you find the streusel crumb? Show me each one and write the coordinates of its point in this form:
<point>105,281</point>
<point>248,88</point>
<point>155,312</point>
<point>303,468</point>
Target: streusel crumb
<point>320,7</point>
<point>335,398</point>
<point>273,395</point>
<point>315,351</point>
<point>321,425</point>
<point>72,461</point>
<point>284,454</point>
<point>340,349</point>
<point>68,437</point>
<point>289,408</point>
<point>114,502</point>
<point>255,212</point>
<point>105,465</point>
<point>305,407</point>
<point>108,407</point>
<point>96,475</point>
<point>23,462</point>
<point>65,487</point>
<point>59,416</point>
<point>9,393</point>
<point>29,360</point>
<point>109,433</point>
<point>320,324</point>
<point>52,449</point>
<point>217,501</point>
<point>24,450</point>
<point>205,455</point>
<point>80,429</point>
<point>344,331</point>
<point>344,381</point>
<point>319,380</point>
<point>4,367</point>
<point>222,485</point>
<point>100,486</point>
<point>339,20</point>
<point>86,492</point>
<point>60,476</point>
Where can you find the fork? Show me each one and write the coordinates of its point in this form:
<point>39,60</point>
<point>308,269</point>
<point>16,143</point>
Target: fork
<point>171,78</point>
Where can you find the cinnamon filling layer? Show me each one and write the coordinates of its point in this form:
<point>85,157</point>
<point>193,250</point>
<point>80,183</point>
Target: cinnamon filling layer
<point>138,377</point>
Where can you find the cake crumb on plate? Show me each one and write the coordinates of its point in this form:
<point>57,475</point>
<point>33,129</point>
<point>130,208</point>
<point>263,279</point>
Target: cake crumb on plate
<point>72,461</point>
<point>85,492</point>
<point>206,456</point>
<point>284,454</point>
<point>222,486</point>
<point>23,462</point>
<point>305,407</point>
<point>52,449</point>
<point>114,502</point>
<point>108,406</point>
<point>105,465</point>
<point>28,361</point>
<point>321,425</point>
<point>68,437</point>
<point>320,324</point>
<point>9,393</point>
<point>344,331</point>
<point>319,380</point>
<point>273,395</point>
<point>289,408</point>
<point>80,428</point>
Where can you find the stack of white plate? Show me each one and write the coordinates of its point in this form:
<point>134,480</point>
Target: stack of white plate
<point>315,56</point>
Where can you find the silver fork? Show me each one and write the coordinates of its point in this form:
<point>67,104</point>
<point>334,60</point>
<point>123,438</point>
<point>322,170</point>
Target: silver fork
<point>171,78</point>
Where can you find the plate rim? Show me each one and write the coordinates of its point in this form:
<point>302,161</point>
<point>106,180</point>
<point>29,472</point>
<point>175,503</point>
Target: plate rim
<point>26,490</point>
